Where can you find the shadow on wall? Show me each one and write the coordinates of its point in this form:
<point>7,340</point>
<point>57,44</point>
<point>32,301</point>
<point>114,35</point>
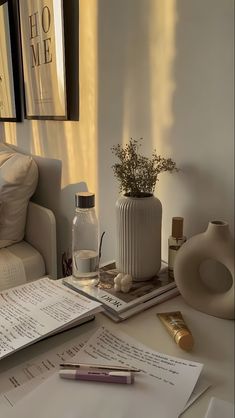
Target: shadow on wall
<point>201,185</point>
<point>200,139</point>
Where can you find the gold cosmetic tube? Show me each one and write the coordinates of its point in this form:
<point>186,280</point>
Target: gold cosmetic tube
<point>175,325</point>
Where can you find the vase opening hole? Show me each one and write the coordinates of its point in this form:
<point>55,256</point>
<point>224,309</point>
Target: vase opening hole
<point>215,276</point>
<point>138,195</point>
<point>219,223</point>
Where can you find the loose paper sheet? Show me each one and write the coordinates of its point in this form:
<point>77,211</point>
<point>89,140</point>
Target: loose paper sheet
<point>161,389</point>
<point>18,381</point>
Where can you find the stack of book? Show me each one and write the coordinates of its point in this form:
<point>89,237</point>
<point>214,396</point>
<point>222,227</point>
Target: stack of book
<point>120,306</point>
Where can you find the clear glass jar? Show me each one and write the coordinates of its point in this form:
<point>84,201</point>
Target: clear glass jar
<point>85,240</point>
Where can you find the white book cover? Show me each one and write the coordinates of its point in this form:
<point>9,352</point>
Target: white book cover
<point>156,300</point>
<point>118,302</point>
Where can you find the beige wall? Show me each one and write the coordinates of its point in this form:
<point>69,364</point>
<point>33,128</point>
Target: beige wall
<point>157,69</point>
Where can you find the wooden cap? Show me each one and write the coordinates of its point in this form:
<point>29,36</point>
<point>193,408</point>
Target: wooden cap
<point>177,227</point>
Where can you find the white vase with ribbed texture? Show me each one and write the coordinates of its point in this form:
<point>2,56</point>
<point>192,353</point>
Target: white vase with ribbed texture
<point>139,221</point>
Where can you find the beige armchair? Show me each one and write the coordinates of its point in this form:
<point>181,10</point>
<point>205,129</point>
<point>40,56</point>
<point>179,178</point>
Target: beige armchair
<point>36,254</point>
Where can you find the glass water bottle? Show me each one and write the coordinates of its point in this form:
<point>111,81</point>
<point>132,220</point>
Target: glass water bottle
<point>85,240</point>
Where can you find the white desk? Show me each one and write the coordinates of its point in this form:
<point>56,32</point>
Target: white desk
<point>214,346</point>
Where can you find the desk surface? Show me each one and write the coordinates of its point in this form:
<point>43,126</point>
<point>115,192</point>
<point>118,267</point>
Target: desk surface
<point>214,346</point>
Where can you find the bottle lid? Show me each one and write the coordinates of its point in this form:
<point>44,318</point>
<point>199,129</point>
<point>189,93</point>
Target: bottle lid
<point>84,200</point>
<point>177,227</point>
<point>184,339</point>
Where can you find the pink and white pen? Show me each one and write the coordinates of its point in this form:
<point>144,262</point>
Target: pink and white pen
<point>95,376</point>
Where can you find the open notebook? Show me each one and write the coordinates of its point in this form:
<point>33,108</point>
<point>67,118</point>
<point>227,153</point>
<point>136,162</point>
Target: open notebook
<point>38,309</point>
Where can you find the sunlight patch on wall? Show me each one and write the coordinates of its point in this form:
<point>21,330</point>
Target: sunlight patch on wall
<point>82,151</point>
<point>36,147</point>
<point>162,55</point>
<point>9,133</point>
<point>148,77</point>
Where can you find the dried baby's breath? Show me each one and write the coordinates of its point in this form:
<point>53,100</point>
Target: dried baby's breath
<point>137,174</point>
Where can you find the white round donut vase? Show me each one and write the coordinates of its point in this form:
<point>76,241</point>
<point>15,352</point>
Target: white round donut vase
<point>216,244</point>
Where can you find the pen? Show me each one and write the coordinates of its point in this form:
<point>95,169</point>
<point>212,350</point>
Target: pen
<point>105,377</point>
<point>98,367</point>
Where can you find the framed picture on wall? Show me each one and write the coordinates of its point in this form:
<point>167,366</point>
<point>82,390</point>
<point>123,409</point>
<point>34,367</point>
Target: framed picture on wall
<point>10,94</point>
<point>42,38</point>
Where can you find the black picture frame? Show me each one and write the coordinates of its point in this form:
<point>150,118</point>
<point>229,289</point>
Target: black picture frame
<point>71,31</point>
<point>43,54</point>
<point>11,95</point>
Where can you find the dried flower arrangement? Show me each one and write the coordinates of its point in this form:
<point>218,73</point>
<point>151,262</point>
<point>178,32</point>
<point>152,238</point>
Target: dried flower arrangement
<point>137,174</point>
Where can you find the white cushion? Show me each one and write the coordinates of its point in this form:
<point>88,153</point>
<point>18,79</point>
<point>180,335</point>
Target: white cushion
<point>18,181</point>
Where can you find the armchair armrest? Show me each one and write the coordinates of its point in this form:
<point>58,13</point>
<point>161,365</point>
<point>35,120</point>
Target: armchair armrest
<point>41,234</point>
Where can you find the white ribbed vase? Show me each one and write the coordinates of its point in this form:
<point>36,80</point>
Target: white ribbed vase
<point>138,249</point>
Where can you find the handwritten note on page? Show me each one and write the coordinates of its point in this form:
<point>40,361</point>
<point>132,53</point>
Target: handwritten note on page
<point>16,382</point>
<point>44,363</point>
<point>161,389</point>
<point>174,378</point>
<point>38,309</point>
